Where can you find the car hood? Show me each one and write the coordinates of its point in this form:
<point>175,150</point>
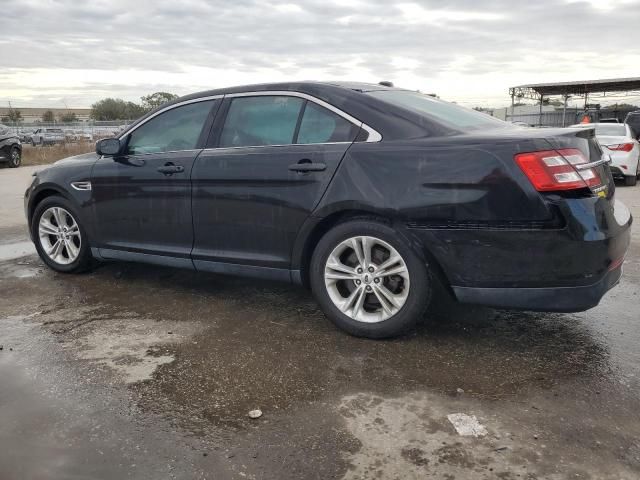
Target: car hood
<point>84,159</point>
<point>5,136</point>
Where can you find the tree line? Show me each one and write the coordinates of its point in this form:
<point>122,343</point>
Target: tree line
<point>118,109</point>
<point>105,109</point>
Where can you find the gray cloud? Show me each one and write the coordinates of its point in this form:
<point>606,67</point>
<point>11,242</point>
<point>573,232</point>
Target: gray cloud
<point>459,38</point>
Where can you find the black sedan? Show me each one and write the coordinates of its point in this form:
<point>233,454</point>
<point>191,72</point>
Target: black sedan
<point>367,194</point>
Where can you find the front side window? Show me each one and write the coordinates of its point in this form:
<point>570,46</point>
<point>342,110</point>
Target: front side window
<point>175,129</point>
<point>319,125</point>
<point>261,120</point>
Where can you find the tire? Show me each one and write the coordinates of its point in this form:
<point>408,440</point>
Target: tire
<point>33,142</point>
<point>15,157</point>
<point>630,181</point>
<point>80,262</point>
<point>411,290</point>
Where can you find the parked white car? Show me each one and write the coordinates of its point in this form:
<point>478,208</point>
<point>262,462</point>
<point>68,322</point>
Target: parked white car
<point>78,136</point>
<point>47,136</point>
<point>618,140</point>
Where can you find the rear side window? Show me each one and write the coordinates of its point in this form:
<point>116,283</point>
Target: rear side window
<point>320,125</point>
<point>447,114</point>
<point>261,120</point>
<point>611,129</point>
<point>175,129</point>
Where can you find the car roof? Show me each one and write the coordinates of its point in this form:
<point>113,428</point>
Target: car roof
<point>347,96</point>
<point>302,86</point>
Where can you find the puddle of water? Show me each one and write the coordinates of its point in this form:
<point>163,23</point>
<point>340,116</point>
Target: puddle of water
<point>16,250</point>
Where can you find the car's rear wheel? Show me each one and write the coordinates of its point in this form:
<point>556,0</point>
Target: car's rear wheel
<point>368,280</point>
<point>60,239</point>
<point>15,158</point>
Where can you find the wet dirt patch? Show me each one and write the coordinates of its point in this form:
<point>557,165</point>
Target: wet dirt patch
<point>11,251</point>
<point>522,442</point>
<point>22,268</point>
<point>236,345</point>
<point>409,446</point>
<point>131,347</point>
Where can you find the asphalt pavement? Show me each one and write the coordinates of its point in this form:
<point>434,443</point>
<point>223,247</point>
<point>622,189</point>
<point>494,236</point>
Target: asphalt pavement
<point>133,371</point>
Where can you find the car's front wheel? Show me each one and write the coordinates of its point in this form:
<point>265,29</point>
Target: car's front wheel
<point>630,181</point>
<point>368,280</point>
<point>60,239</point>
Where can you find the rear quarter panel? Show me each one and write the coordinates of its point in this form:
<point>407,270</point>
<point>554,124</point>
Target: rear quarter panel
<point>453,180</point>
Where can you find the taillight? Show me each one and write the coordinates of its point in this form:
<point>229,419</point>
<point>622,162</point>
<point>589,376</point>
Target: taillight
<point>622,147</point>
<point>553,170</point>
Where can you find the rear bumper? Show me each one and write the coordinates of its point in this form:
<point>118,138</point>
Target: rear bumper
<point>567,268</point>
<point>549,299</point>
<point>619,174</point>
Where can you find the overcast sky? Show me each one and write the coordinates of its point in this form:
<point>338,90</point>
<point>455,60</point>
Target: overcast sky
<point>54,52</point>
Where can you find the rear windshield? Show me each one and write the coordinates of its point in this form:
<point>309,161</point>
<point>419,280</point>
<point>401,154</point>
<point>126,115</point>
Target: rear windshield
<point>611,130</point>
<point>450,115</point>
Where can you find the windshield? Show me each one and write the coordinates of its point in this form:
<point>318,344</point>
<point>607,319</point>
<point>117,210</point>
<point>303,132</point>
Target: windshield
<point>450,115</point>
<point>611,130</point>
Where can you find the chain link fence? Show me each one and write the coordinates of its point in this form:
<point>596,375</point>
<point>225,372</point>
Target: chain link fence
<point>569,117</point>
<point>97,129</point>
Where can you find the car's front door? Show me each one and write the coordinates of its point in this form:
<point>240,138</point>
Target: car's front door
<point>270,162</point>
<point>142,198</point>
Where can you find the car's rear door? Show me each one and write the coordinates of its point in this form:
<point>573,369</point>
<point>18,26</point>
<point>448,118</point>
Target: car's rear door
<point>142,198</point>
<point>271,158</point>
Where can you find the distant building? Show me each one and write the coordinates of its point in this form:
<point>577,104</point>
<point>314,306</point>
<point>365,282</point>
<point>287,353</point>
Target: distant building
<point>34,115</point>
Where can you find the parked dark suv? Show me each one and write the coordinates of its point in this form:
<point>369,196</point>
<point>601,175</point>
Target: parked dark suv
<point>367,194</point>
<point>10,147</point>
<point>633,120</point>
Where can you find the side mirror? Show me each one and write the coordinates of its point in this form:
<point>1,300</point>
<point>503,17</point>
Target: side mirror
<point>108,146</point>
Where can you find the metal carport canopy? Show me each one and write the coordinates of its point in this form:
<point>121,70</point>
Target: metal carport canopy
<point>577,88</point>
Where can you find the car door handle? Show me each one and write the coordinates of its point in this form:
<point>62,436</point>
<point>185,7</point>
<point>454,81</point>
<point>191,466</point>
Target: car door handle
<point>170,169</point>
<point>307,167</point>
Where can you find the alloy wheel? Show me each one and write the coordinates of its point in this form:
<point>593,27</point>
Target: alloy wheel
<point>59,235</point>
<point>367,279</point>
<point>15,157</point>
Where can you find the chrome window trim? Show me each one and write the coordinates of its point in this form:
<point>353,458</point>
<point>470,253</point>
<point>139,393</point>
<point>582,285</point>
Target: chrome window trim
<point>374,135</point>
<point>215,149</point>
